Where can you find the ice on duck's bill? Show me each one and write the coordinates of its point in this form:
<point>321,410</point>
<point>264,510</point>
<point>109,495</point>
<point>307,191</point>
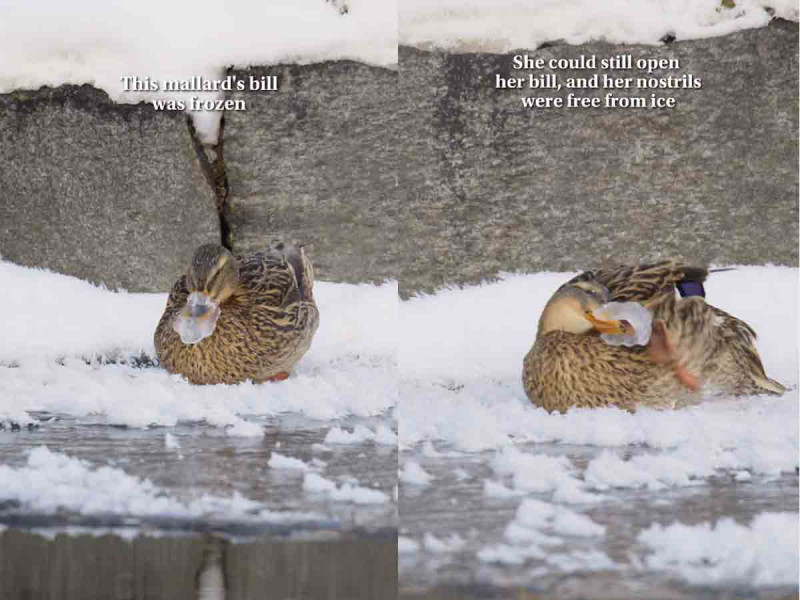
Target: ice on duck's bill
<point>198,319</point>
<point>637,316</point>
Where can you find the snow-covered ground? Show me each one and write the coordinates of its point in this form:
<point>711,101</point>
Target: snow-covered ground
<point>505,25</point>
<point>471,438</point>
<point>59,333</point>
<point>76,359</point>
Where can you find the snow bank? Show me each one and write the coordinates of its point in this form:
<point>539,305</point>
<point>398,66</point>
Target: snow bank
<point>44,42</point>
<point>60,332</point>
<point>762,553</point>
<point>505,25</point>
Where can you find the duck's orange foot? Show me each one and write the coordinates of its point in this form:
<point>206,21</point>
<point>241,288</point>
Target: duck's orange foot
<point>661,348</point>
<point>279,377</point>
<point>687,378</point>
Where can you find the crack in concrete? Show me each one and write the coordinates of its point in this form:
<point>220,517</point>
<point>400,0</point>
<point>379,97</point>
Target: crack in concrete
<point>212,163</point>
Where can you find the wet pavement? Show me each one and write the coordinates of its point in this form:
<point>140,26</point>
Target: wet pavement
<point>455,503</point>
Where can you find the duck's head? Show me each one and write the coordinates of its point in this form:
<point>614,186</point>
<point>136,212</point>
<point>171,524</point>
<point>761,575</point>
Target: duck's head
<point>212,279</point>
<point>570,309</point>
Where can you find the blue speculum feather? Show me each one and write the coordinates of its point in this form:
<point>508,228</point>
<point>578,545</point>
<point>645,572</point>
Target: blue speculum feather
<point>691,288</point>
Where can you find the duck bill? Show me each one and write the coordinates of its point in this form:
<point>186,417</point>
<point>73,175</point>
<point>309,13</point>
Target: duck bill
<point>612,327</point>
<point>198,318</point>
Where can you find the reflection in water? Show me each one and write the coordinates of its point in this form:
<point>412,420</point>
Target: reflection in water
<point>88,566</point>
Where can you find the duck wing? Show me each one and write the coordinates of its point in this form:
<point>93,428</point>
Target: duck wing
<point>648,283</point>
<point>279,277</point>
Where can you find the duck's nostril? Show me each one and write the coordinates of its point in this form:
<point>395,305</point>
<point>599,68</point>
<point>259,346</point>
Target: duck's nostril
<point>198,310</point>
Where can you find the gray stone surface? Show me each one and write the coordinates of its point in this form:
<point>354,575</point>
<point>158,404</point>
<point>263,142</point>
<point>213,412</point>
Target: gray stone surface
<point>489,186</point>
<point>106,192</point>
<point>316,163</point>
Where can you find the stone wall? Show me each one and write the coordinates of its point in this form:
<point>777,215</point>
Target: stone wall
<point>317,163</point>
<point>112,193</point>
<point>491,186</point>
<point>427,175</point>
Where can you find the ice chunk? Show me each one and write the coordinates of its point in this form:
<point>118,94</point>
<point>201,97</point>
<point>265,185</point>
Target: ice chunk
<point>197,320</point>
<point>634,313</point>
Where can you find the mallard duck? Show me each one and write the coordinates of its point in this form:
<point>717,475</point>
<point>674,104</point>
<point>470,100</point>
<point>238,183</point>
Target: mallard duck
<point>232,318</point>
<point>693,345</point>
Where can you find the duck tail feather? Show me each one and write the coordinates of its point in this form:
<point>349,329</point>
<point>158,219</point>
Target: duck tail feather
<point>770,386</point>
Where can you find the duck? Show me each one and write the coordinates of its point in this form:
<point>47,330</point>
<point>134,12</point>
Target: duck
<point>233,318</point>
<point>694,349</point>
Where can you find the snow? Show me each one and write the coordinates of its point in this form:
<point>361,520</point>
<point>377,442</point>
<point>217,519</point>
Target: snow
<point>360,434</point>
<point>435,545</point>
<point>413,473</point>
<point>462,395</point>
<point>279,461</point>
<point>61,365</point>
<point>50,482</point>
<point>539,515</point>
<point>494,489</point>
<point>347,492</point>
<point>506,25</point>
<point>765,552</point>
<point>406,545</point>
<point>43,42</point>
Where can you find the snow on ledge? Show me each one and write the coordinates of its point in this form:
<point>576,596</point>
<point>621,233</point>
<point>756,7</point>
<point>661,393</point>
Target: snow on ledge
<point>504,25</point>
<point>46,42</point>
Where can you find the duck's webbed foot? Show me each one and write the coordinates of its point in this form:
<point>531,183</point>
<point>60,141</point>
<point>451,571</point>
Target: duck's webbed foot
<point>662,350</point>
<point>283,375</point>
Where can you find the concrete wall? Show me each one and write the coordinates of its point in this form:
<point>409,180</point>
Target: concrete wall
<point>427,175</point>
<point>111,193</point>
<point>491,186</point>
<point>316,163</point>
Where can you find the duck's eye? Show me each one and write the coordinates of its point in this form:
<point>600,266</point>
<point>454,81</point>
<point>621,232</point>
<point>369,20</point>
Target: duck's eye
<point>210,282</point>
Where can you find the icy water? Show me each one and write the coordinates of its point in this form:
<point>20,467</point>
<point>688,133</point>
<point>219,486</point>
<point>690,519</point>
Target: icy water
<point>456,504</point>
<point>279,540</point>
<point>187,461</point>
